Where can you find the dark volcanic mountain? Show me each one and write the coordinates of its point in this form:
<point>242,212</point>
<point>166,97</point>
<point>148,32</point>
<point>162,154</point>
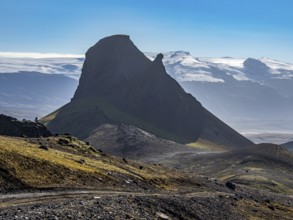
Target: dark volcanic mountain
<point>119,84</point>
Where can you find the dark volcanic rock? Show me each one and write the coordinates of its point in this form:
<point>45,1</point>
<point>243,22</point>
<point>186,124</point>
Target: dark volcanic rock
<point>109,64</point>
<point>119,84</point>
<point>12,127</point>
<point>230,185</point>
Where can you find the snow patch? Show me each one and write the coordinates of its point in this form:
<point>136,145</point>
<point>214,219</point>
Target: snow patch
<point>275,64</point>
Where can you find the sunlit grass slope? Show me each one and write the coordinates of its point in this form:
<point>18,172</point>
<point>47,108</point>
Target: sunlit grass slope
<point>64,161</point>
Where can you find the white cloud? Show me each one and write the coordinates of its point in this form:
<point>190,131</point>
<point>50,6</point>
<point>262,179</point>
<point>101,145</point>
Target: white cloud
<point>49,65</point>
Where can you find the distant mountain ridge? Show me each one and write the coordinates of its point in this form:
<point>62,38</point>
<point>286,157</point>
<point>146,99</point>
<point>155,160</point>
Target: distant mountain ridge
<point>119,84</point>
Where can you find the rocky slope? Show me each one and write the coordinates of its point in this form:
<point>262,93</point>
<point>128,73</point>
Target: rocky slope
<point>242,204</point>
<point>119,84</point>
<point>133,143</point>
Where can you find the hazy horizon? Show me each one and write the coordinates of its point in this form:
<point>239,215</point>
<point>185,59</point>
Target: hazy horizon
<point>37,55</point>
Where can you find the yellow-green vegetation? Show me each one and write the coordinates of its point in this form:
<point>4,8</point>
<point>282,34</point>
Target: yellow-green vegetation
<point>72,164</point>
<point>206,145</point>
<point>45,120</point>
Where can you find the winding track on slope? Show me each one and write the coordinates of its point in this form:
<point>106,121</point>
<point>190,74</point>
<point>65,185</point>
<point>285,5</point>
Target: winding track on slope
<point>20,199</point>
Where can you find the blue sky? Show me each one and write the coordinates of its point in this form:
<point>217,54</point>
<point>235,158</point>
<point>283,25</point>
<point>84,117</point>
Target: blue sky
<point>237,28</point>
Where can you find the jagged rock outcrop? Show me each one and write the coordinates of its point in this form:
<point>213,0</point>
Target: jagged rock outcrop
<point>12,127</point>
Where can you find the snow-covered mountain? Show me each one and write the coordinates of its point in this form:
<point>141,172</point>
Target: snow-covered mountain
<point>248,94</point>
<point>184,67</point>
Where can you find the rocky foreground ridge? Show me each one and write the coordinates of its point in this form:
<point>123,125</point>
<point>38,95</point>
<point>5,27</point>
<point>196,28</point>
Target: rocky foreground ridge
<point>12,127</point>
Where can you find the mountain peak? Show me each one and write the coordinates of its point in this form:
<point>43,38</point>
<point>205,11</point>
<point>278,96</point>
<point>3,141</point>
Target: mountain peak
<point>116,37</point>
<point>110,63</point>
<point>255,66</point>
<point>114,43</point>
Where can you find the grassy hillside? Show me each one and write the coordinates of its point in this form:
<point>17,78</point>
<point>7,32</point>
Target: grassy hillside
<point>64,161</point>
